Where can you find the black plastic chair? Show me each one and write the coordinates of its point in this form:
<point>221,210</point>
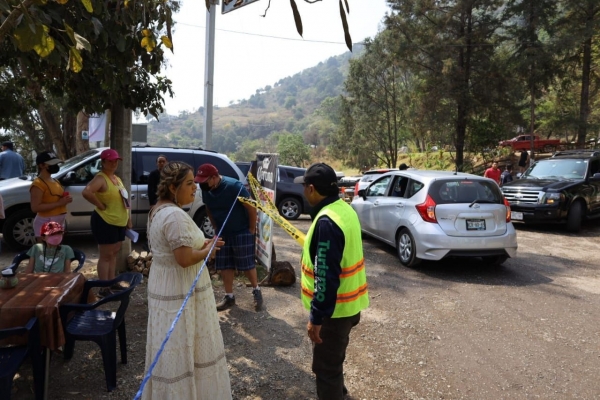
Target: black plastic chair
<point>11,358</point>
<point>22,256</point>
<point>86,323</point>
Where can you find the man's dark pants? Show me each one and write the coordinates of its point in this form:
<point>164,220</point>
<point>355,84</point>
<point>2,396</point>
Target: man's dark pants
<point>329,356</point>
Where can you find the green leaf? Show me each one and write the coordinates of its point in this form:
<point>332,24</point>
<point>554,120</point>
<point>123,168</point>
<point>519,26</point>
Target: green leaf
<point>97,25</point>
<point>297,18</point>
<point>45,46</point>
<point>75,60</point>
<point>70,33</point>
<point>345,25</point>
<point>88,5</point>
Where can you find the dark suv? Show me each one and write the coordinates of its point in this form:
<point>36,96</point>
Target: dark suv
<point>289,196</point>
<point>562,188</point>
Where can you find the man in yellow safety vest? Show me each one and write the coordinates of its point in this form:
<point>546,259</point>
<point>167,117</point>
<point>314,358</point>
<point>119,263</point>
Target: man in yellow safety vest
<point>334,283</point>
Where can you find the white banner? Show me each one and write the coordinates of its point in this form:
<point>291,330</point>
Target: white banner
<point>97,127</point>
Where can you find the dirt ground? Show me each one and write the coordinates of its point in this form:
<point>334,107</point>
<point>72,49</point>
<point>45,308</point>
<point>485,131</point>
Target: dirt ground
<point>449,330</point>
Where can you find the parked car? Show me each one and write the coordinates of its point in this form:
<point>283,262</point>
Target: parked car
<point>368,177</point>
<point>244,166</point>
<point>523,142</point>
<point>430,215</point>
<point>562,189</point>
<point>76,172</point>
<point>289,196</point>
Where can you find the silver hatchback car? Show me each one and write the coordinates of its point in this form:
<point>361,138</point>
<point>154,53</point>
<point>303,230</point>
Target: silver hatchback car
<point>430,215</point>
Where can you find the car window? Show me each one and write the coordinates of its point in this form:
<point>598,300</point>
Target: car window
<point>554,168</point>
<point>84,174</point>
<point>413,188</point>
<point>223,165</point>
<point>147,163</point>
<point>465,191</point>
<point>379,187</point>
<point>399,186</point>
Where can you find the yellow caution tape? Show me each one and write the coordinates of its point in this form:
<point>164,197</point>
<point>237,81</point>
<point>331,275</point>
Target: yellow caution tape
<point>259,192</point>
<point>270,209</point>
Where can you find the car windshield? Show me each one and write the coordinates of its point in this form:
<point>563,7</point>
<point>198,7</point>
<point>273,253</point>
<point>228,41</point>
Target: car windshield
<point>77,159</point>
<point>553,169</point>
<point>465,191</point>
<point>370,177</point>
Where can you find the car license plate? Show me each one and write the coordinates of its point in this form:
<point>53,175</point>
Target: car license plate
<point>476,224</point>
<point>517,216</point>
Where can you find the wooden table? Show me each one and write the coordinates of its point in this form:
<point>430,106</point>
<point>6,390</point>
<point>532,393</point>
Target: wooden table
<point>40,295</point>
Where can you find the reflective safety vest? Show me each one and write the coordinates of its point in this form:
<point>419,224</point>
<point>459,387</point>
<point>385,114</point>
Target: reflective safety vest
<point>352,294</point>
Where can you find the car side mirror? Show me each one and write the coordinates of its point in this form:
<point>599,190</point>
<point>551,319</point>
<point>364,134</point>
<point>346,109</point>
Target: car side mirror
<point>362,194</point>
<point>596,176</point>
<point>519,175</point>
<point>68,179</point>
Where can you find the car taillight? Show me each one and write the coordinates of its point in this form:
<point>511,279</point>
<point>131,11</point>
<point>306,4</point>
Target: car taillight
<point>356,189</point>
<point>507,204</point>
<point>427,210</point>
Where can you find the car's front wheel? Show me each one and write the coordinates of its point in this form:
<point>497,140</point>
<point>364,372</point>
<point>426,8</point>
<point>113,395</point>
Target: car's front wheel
<point>407,248</point>
<point>290,208</point>
<point>18,229</point>
<point>201,219</point>
<point>574,217</point>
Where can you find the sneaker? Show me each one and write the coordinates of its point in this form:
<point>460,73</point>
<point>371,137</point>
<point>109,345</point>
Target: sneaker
<point>258,300</point>
<point>226,303</point>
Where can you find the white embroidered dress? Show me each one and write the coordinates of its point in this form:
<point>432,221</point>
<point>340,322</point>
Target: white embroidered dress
<point>192,365</point>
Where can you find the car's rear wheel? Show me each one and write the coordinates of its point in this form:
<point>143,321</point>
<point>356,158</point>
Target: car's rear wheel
<point>201,219</point>
<point>494,260</point>
<point>574,217</point>
<point>290,208</point>
<point>406,248</point>
<point>18,229</point>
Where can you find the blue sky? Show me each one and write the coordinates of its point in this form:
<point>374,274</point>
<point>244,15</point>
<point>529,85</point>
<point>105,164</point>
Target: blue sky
<point>252,52</point>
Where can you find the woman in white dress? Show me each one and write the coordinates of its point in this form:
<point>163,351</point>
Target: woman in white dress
<point>192,365</point>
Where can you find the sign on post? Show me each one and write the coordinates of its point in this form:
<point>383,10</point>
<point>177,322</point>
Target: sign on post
<point>266,175</point>
<point>230,5</point>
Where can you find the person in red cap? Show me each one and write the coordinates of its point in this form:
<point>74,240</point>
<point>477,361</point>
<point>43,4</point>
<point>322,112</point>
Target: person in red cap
<point>238,223</point>
<point>48,198</point>
<point>111,215</point>
<point>50,255</point>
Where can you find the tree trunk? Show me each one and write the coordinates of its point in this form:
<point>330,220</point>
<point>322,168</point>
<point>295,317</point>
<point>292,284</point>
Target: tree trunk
<point>83,124</point>
<point>584,105</point>
<point>69,134</point>
<point>120,140</point>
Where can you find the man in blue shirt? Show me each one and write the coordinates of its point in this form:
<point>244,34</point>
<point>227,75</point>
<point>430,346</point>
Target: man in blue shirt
<point>238,223</point>
<point>12,164</point>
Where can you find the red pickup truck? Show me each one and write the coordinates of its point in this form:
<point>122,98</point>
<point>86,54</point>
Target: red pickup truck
<point>523,142</point>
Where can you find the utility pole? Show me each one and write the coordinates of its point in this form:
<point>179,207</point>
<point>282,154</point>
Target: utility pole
<point>209,72</point>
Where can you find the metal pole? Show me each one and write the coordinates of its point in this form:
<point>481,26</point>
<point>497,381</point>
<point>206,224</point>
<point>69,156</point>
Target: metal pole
<point>209,69</point>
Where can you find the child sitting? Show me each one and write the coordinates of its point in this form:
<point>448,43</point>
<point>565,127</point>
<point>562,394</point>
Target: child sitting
<point>50,255</point>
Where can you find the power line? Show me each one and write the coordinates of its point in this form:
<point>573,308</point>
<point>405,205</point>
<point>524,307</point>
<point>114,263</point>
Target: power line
<point>265,36</point>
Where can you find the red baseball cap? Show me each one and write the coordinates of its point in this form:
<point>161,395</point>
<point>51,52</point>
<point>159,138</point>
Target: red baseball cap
<point>50,228</point>
<point>110,155</point>
<point>205,171</point>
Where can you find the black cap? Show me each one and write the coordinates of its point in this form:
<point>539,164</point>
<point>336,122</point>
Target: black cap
<point>47,157</point>
<point>320,175</point>
<point>8,143</point>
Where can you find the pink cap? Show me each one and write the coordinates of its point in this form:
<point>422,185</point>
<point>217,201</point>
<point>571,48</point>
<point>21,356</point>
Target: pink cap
<point>50,228</point>
<point>110,155</point>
